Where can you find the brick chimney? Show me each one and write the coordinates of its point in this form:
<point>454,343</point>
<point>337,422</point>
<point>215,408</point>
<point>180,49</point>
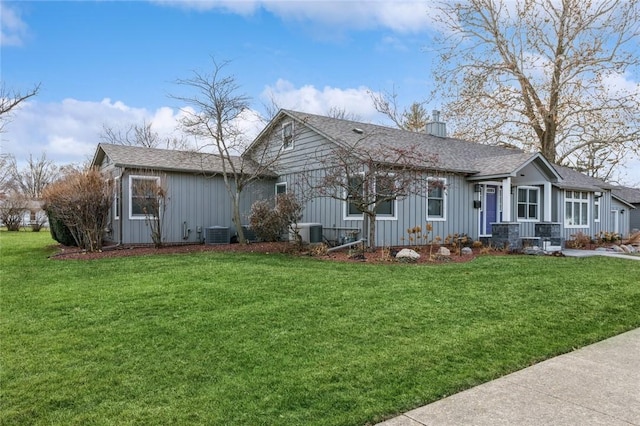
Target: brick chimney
<point>436,127</point>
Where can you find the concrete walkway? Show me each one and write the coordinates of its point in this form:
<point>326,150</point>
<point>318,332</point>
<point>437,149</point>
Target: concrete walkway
<point>596,385</point>
<point>585,253</point>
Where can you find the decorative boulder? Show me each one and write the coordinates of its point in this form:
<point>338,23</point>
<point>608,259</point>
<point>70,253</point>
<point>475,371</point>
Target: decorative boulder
<point>466,251</point>
<point>617,249</point>
<point>407,254</point>
<point>443,251</point>
<point>625,248</point>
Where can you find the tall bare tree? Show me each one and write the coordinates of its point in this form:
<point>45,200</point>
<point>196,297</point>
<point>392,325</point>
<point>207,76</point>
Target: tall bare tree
<point>414,118</point>
<point>140,135</point>
<point>33,178</point>
<point>545,75</point>
<point>9,99</point>
<point>216,116</point>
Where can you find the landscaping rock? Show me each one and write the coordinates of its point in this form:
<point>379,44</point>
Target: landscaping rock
<point>626,249</point>
<point>466,251</point>
<point>407,254</point>
<point>443,251</point>
<point>603,249</point>
<point>617,249</point>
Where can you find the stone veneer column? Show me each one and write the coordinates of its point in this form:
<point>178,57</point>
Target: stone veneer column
<point>505,234</point>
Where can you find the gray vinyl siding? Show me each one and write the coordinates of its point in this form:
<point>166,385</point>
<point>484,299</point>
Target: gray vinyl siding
<point>593,228</point>
<point>461,217</point>
<point>198,200</point>
<point>622,212</point>
<point>309,148</point>
<point>634,218</point>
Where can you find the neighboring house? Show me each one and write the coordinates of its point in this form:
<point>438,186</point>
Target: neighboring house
<point>495,194</point>
<point>196,195</point>
<point>629,199</point>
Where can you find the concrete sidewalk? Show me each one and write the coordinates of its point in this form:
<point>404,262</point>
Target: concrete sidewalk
<point>585,253</point>
<point>596,385</point>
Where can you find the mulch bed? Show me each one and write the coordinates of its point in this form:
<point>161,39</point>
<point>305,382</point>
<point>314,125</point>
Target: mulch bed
<point>377,256</point>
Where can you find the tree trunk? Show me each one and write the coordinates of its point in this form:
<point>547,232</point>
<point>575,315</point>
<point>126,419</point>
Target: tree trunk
<point>371,225</point>
<point>237,220</point>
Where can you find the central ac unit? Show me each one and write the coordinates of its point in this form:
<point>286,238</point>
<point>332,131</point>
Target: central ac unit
<point>216,235</point>
<point>310,233</point>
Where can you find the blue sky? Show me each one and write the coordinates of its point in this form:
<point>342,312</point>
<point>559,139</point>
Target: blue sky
<point>114,63</point>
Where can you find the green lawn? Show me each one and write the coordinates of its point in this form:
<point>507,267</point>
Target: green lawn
<point>252,339</point>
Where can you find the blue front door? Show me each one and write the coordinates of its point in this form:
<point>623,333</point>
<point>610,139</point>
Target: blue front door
<point>490,207</point>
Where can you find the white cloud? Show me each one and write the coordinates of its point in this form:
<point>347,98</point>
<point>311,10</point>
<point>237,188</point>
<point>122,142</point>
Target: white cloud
<point>309,99</point>
<point>397,16</point>
<point>13,29</point>
<point>69,131</point>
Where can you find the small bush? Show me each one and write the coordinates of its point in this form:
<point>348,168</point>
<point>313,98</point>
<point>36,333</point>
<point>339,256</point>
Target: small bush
<point>319,250</point>
<point>269,223</point>
<point>579,240</point>
<point>81,201</point>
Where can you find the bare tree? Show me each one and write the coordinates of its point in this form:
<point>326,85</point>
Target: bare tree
<point>370,177</point>
<point>342,114</point>
<point>9,99</point>
<point>414,118</point>
<point>541,74</point>
<point>141,135</point>
<point>31,180</point>
<point>6,172</point>
<point>218,108</point>
<point>13,206</point>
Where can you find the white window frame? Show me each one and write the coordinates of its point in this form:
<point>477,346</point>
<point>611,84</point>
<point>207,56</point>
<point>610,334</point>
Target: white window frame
<point>379,216</point>
<point>281,184</point>
<point>116,198</point>
<point>596,208</point>
<point>131,179</point>
<point>538,204</point>
<point>443,217</point>
<point>285,146</point>
<point>583,202</point>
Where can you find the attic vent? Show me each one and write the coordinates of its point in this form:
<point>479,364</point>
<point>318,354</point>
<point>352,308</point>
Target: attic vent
<point>358,130</point>
<point>216,235</point>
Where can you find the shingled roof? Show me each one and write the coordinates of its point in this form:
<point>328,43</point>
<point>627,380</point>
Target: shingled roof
<point>451,154</point>
<point>628,194</point>
<point>572,179</point>
<point>168,160</point>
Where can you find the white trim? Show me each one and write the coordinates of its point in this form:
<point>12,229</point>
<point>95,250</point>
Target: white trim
<point>359,216</point>
<point>596,203</point>
<point>117,202</point>
<point>130,199</point>
<point>584,204</point>
<point>442,218</point>
<point>507,206</point>
<point>528,219</point>
<point>291,144</point>
<point>547,202</point>
<point>281,184</point>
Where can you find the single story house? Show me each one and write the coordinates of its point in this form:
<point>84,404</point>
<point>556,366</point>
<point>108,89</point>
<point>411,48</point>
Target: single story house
<point>197,201</point>
<point>498,194</point>
<point>629,198</point>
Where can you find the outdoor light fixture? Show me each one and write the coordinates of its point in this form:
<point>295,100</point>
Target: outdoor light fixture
<point>477,188</point>
<point>597,194</point>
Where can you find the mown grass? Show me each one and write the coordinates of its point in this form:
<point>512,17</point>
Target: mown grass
<point>214,338</point>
